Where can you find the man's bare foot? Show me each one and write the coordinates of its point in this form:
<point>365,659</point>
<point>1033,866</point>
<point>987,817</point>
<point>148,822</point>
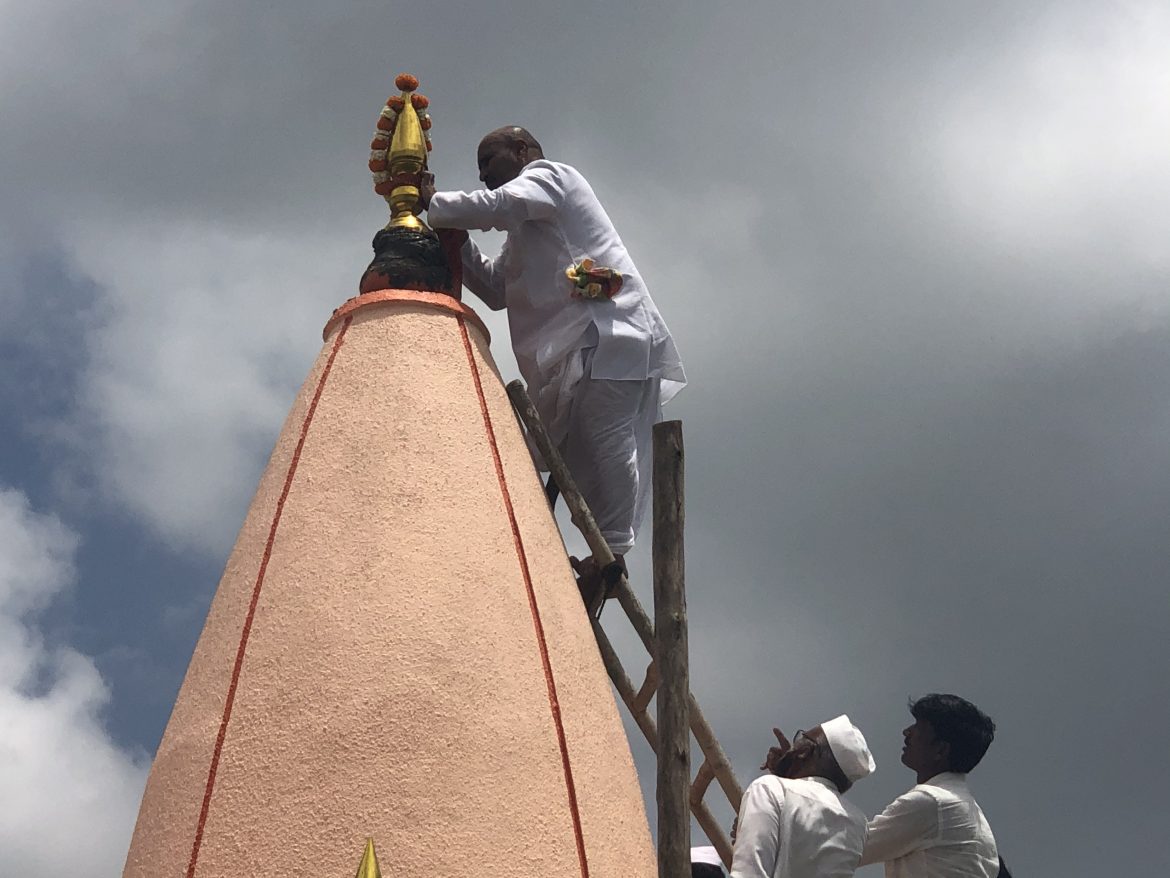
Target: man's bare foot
<point>597,583</point>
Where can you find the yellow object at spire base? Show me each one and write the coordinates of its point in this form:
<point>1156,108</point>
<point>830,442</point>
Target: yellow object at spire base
<point>368,868</point>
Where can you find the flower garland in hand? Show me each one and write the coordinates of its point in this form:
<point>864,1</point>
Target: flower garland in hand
<point>593,281</point>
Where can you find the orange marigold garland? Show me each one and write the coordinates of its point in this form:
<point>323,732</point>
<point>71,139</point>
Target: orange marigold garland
<point>379,163</point>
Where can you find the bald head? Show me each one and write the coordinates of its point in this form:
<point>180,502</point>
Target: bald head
<point>503,153</point>
<point>515,135</point>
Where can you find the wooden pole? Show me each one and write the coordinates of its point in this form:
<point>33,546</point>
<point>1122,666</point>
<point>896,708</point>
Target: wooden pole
<point>670,656</point>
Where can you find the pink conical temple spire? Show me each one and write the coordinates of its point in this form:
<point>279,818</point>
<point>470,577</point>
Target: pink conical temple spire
<point>397,649</point>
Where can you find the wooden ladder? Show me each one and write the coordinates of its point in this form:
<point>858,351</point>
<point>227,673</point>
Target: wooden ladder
<point>670,612</point>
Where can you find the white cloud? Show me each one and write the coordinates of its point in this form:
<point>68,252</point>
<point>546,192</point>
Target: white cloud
<point>70,793</point>
<point>1062,146</point>
<point>206,337</point>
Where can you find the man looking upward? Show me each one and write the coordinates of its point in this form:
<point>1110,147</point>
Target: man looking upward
<point>937,830</point>
<point>596,355</point>
<point>793,822</point>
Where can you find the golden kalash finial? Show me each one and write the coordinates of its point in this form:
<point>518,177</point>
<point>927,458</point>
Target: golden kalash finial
<point>369,864</point>
<point>398,154</point>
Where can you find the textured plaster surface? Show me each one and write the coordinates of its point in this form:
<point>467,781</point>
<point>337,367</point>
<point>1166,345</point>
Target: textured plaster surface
<point>392,685</point>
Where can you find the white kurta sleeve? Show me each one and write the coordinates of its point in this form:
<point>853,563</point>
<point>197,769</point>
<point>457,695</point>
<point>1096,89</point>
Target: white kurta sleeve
<point>484,276</point>
<point>757,836</point>
<point>533,195</point>
<point>908,824</point>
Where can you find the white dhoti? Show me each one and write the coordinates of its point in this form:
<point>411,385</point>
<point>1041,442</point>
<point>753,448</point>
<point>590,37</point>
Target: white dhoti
<point>604,430</point>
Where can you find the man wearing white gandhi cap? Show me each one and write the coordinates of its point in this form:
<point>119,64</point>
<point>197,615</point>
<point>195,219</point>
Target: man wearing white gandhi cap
<point>793,822</point>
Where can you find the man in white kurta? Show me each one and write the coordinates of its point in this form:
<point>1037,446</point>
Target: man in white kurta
<point>795,823</point>
<point>598,369</point>
<point>937,829</point>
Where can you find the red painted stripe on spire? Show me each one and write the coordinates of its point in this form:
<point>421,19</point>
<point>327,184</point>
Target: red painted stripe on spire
<point>542,643</point>
<point>247,630</point>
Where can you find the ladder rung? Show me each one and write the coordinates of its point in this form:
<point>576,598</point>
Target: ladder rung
<point>713,750</point>
<point>624,685</point>
<point>649,688</point>
<point>703,780</point>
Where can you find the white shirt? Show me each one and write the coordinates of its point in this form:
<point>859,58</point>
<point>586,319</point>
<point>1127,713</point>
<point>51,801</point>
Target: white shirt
<point>936,830</point>
<point>796,829</point>
<point>554,220</point>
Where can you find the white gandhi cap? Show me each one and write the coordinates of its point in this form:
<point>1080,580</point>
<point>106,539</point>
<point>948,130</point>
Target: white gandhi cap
<point>706,854</point>
<point>849,747</point>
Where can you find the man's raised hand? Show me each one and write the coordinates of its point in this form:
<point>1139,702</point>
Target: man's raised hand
<point>775,754</point>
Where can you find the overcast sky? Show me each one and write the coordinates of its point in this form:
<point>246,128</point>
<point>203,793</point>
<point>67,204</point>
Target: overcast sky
<point>914,255</point>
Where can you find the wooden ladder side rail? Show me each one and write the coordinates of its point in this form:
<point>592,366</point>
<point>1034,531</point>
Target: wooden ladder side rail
<point>672,656</point>
<point>716,762</point>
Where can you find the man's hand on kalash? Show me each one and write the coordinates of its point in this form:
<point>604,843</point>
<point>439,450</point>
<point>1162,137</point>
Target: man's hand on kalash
<point>426,189</point>
<point>775,754</point>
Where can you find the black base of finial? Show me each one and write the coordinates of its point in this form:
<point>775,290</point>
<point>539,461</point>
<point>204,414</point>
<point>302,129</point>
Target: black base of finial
<point>407,259</point>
